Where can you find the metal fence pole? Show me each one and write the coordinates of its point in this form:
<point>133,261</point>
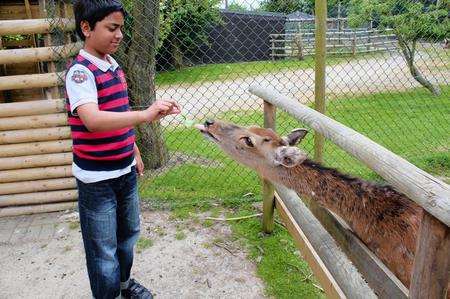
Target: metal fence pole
<point>319,88</point>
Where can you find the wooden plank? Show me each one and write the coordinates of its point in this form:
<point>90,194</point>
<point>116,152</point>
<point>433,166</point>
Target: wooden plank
<point>430,277</point>
<point>35,161</point>
<point>384,283</point>
<point>15,56</point>
<point>33,121</point>
<point>32,135</point>
<point>37,173</point>
<point>37,186</point>
<point>31,81</point>
<point>427,191</point>
<point>32,108</point>
<point>337,275</point>
<point>38,198</point>
<point>34,26</point>
<point>36,209</point>
<point>35,148</point>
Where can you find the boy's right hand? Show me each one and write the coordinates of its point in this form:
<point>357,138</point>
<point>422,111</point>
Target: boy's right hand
<point>160,109</point>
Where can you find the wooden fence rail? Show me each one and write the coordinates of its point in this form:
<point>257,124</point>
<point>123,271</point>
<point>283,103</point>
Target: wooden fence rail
<point>34,26</point>
<point>432,259</point>
<point>301,44</point>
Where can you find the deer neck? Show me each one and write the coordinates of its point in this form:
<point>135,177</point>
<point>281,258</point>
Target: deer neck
<point>337,192</point>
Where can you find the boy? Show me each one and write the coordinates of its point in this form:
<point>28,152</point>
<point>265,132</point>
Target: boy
<point>105,156</point>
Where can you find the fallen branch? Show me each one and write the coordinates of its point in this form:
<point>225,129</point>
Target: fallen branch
<point>235,218</point>
<point>224,247</point>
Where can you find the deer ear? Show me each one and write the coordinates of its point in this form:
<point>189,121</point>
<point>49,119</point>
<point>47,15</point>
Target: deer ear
<point>295,136</point>
<point>289,156</point>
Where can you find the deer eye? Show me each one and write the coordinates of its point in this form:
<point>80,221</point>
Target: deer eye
<point>267,139</point>
<point>247,141</point>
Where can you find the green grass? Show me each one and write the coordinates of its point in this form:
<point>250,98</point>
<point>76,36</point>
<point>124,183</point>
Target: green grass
<point>413,124</point>
<point>143,243</point>
<point>229,71</point>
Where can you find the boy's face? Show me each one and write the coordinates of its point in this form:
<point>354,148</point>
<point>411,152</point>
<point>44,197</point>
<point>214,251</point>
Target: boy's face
<point>105,38</point>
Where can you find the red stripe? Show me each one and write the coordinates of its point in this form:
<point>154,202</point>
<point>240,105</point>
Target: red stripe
<point>105,147</point>
<point>97,135</point>
<point>75,121</point>
<point>114,103</point>
<point>104,78</point>
<point>110,90</point>
<point>109,158</point>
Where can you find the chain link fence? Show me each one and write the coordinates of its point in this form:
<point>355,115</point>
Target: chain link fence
<point>387,76</point>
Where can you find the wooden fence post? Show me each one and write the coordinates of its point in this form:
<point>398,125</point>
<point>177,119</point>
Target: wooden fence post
<point>354,44</point>
<point>431,269</point>
<point>319,86</point>
<point>267,187</point>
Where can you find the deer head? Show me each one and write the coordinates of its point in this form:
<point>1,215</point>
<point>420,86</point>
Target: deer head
<point>255,147</point>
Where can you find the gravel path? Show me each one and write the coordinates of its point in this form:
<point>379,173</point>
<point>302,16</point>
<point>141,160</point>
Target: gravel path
<point>377,74</point>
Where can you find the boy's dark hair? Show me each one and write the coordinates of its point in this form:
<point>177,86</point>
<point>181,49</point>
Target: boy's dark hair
<point>94,11</point>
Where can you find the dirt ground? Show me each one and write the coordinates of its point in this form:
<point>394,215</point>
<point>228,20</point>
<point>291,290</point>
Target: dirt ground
<point>42,256</point>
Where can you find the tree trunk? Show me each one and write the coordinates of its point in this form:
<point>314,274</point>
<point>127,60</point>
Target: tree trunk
<point>177,54</point>
<point>141,72</point>
<point>408,53</point>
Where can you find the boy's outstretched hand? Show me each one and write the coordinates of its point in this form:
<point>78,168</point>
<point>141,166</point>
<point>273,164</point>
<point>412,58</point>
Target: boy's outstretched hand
<point>160,109</point>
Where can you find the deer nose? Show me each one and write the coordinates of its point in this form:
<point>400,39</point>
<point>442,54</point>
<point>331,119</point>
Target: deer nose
<point>209,122</point>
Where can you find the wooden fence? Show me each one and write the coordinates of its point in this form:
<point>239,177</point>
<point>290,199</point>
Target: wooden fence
<point>35,143</point>
<point>302,43</point>
<point>432,258</point>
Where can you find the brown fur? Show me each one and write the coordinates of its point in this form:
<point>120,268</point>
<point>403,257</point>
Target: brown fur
<point>384,219</point>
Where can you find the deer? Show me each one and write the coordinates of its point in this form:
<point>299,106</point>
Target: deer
<point>385,220</point>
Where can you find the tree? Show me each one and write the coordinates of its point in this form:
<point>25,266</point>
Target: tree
<point>137,56</point>
<point>236,7</point>
<point>411,21</point>
<point>185,25</point>
<point>286,6</point>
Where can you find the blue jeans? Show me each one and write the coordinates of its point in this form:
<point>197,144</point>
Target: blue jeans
<point>109,218</point>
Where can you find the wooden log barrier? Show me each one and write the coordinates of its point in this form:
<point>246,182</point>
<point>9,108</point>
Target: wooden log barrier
<point>336,274</point>
<point>29,55</point>
<point>34,26</point>
<point>35,148</point>
<point>38,173</point>
<point>37,186</point>
<point>31,81</point>
<point>33,121</point>
<point>34,135</point>
<point>38,198</point>
<point>28,210</point>
<point>32,108</point>
<point>431,264</point>
<point>35,161</point>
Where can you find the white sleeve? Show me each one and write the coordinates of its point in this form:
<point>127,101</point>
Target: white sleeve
<point>80,87</point>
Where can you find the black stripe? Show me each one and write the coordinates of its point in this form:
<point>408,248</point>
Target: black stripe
<point>94,165</point>
<point>109,153</point>
<point>113,96</point>
<point>122,108</point>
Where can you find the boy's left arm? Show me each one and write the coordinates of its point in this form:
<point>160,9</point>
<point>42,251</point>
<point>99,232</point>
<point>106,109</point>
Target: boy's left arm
<point>139,163</point>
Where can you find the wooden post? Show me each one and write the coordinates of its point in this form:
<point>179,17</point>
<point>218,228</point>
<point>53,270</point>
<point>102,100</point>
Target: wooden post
<point>431,269</point>
<point>354,44</point>
<point>319,88</point>
<point>273,48</point>
<point>268,191</point>
<point>51,92</point>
